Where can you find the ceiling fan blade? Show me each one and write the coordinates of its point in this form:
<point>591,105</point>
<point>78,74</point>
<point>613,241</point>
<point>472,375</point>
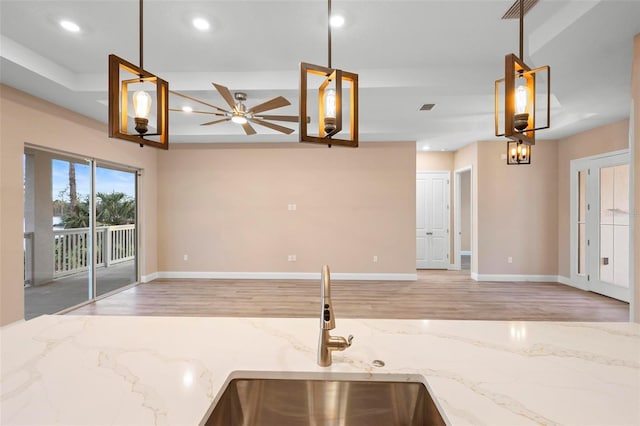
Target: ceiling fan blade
<point>274,103</point>
<point>226,94</point>
<point>208,123</point>
<point>290,118</point>
<point>197,100</point>
<point>248,129</point>
<point>277,127</point>
<point>219,114</point>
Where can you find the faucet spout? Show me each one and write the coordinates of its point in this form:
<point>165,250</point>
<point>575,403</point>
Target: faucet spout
<point>328,343</point>
<point>327,321</point>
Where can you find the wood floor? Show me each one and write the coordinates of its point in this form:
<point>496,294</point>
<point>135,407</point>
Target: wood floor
<point>435,295</point>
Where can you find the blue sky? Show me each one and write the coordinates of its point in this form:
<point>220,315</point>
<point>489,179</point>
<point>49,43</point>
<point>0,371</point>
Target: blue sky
<point>107,180</point>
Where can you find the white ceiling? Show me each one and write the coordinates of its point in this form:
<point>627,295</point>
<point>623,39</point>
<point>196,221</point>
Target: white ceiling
<point>406,53</point>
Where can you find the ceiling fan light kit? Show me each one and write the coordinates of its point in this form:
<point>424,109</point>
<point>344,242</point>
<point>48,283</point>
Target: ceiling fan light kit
<point>330,101</point>
<point>125,78</point>
<point>518,97</point>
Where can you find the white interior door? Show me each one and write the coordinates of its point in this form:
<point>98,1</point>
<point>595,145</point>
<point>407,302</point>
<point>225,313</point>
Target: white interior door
<point>432,220</point>
<point>601,225</point>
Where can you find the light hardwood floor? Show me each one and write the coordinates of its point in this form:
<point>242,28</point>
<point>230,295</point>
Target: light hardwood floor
<point>435,295</point>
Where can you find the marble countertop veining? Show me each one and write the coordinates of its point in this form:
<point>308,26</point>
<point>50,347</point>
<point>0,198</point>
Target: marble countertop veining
<point>81,370</point>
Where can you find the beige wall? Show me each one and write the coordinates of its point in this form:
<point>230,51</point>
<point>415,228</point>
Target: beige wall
<point>434,161</point>
<point>635,91</point>
<point>226,208</point>
<point>517,211</point>
<point>612,137</point>
<point>25,119</point>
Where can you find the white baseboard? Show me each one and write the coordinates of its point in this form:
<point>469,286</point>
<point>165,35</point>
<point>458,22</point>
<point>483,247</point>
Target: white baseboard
<point>465,252</point>
<point>285,276</point>
<point>150,277</point>
<point>455,267</point>
<point>515,277</point>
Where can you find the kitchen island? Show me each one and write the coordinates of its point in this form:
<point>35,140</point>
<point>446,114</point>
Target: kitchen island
<point>99,370</point>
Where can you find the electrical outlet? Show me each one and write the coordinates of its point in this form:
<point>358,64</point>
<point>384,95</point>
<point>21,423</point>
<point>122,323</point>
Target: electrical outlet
<point>375,259</point>
<point>291,258</point>
<point>509,259</point>
<point>292,207</point>
<point>185,257</point>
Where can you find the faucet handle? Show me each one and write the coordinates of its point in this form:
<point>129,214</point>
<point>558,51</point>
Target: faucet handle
<point>349,340</point>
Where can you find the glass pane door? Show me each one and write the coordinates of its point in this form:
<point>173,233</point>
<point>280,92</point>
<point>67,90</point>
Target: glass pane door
<point>614,225</point>
<point>582,223</point>
<point>56,232</point>
<point>116,249</point>
<point>600,224</point>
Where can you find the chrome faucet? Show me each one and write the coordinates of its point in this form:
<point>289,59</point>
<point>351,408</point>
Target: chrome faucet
<point>328,343</point>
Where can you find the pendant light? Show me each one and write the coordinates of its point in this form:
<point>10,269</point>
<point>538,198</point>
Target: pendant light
<point>516,97</point>
<point>125,77</point>
<point>330,101</point>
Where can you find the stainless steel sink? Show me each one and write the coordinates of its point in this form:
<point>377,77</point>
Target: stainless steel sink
<point>292,402</point>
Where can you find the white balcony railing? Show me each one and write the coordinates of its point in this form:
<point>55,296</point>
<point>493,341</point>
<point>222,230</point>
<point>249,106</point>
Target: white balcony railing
<point>115,244</point>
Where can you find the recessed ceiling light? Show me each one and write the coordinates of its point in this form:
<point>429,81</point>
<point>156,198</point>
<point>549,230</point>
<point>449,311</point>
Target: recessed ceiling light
<point>443,149</point>
<point>187,109</point>
<point>426,148</point>
<point>201,24</point>
<point>336,21</point>
<point>72,27</point>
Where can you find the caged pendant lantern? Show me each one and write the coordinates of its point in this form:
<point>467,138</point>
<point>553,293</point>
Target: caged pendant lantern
<point>125,77</point>
<point>519,109</point>
<point>331,90</point>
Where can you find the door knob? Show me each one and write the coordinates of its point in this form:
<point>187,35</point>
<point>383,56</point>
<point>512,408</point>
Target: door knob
<point>429,233</point>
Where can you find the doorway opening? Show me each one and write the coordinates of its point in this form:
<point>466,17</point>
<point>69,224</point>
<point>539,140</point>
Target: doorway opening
<point>463,219</point>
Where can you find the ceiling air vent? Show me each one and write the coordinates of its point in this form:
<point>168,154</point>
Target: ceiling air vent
<point>427,107</point>
<point>514,10</point>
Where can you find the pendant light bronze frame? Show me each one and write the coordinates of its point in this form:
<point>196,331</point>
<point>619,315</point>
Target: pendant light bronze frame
<point>515,68</point>
<point>518,153</point>
<point>119,98</point>
<point>340,78</point>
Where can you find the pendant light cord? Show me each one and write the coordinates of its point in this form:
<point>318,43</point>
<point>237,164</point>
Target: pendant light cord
<point>521,29</point>
<point>140,25</point>
<point>328,32</point>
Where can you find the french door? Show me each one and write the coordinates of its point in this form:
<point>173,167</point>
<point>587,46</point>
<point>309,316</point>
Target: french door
<point>600,232</point>
<point>432,220</point>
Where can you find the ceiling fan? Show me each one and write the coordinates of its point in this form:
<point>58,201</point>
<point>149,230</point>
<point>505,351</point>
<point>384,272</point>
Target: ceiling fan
<point>238,112</point>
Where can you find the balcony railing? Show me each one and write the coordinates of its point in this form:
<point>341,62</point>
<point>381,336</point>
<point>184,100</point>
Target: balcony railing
<point>115,244</point>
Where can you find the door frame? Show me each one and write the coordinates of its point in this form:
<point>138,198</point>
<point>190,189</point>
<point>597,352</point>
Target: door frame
<point>596,161</point>
<point>457,216</point>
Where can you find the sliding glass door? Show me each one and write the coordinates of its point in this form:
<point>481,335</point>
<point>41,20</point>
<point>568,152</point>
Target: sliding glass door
<point>56,233</point>
<point>70,203</point>
<point>115,228</point>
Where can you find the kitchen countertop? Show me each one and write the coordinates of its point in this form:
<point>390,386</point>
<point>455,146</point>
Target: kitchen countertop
<point>98,370</point>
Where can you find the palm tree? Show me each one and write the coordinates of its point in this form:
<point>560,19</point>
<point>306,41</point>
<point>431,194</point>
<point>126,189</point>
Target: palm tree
<point>73,194</point>
<point>116,208</point>
<point>77,217</point>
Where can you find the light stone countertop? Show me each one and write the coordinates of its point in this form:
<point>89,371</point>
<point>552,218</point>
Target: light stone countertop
<point>98,370</point>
